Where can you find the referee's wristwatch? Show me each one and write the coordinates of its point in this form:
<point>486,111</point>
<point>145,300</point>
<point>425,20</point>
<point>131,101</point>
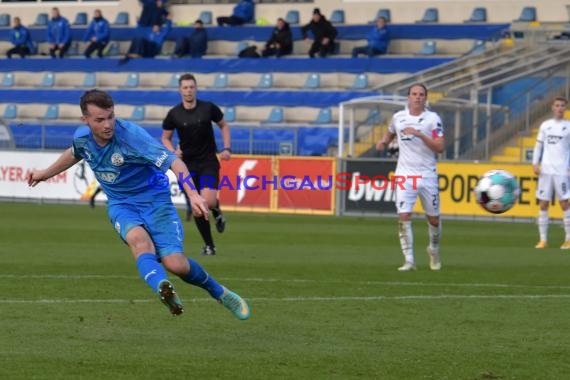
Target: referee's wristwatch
<point>227,149</point>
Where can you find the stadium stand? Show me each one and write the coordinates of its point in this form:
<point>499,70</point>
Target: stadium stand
<point>259,85</point>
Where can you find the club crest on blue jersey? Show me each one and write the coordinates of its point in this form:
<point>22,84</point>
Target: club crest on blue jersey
<point>117,159</point>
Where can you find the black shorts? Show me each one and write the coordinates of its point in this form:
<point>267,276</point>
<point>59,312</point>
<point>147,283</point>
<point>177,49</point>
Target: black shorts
<point>205,174</point>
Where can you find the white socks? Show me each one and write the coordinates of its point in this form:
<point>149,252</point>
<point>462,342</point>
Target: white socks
<point>542,222</point>
<point>434,236</point>
<point>407,241</point>
<point>567,224</point>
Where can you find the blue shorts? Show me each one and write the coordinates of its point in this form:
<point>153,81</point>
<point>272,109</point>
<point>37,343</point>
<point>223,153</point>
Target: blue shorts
<point>159,218</point>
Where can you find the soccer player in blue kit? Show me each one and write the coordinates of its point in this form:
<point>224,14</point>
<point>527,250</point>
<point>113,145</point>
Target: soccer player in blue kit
<point>126,160</point>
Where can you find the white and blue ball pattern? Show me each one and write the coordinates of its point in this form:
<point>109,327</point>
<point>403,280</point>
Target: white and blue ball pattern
<point>497,191</point>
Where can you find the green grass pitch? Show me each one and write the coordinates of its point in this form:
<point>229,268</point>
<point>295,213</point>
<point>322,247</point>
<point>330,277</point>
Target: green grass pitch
<point>326,300</point>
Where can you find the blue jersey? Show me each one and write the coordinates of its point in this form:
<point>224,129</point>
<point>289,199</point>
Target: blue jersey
<point>127,165</point>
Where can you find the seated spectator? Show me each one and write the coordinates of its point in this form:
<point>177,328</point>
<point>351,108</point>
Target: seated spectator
<point>378,40</point>
<point>243,13</point>
<point>281,41</point>
<point>98,34</point>
<point>153,13</point>
<point>20,38</point>
<point>149,45</point>
<point>58,34</point>
<point>196,44</point>
<point>323,32</point>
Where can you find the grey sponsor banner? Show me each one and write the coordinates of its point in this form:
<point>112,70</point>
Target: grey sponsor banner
<point>364,187</point>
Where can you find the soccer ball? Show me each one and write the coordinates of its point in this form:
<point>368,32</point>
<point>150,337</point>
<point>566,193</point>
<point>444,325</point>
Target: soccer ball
<point>497,191</point>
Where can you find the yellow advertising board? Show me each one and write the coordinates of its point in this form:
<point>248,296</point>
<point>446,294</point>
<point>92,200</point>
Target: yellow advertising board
<point>458,180</point>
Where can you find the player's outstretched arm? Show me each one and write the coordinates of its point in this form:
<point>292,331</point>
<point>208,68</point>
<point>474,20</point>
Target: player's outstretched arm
<point>199,204</point>
<point>64,162</point>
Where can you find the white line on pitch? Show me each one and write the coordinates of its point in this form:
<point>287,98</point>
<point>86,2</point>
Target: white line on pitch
<point>311,299</point>
<point>290,280</point>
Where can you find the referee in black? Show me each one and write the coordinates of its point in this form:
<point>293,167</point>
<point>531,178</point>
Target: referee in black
<point>192,119</point>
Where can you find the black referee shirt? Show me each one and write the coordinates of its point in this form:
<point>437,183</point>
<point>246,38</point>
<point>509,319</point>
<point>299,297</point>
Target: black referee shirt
<point>194,128</point>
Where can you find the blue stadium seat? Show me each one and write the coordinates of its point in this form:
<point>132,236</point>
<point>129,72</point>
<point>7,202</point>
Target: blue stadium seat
<point>230,114</point>
<point>478,47</point>
<point>292,17</point>
<point>206,17</point>
<point>4,20</point>
<point>428,48</point>
<point>382,12</point>
<point>10,112</point>
<point>313,81</point>
<point>337,16</point>
<point>122,19</point>
<point>528,14</point>
<point>324,116</point>
<point>80,18</point>
<point>275,116</point>
<point>73,49</point>
<point>265,81</point>
<point>8,80</point>
<point>478,15</point>
<point>240,46</point>
<point>173,82</point>
<point>132,81</point>
<point>52,112</point>
<point>41,20</point>
<point>34,48</point>
<point>48,80</point>
<point>430,15</point>
<point>112,49</point>
<point>220,81</point>
<point>360,82</point>
<point>137,114</point>
<point>89,80</point>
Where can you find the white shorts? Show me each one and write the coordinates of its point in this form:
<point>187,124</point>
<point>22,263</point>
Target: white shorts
<point>428,191</point>
<point>548,183</point>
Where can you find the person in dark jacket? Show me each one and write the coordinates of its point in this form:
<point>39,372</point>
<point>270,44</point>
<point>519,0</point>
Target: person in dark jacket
<point>243,13</point>
<point>378,40</point>
<point>20,38</point>
<point>281,41</point>
<point>323,32</point>
<point>196,44</point>
<point>98,34</point>
<point>149,45</point>
<point>58,34</point>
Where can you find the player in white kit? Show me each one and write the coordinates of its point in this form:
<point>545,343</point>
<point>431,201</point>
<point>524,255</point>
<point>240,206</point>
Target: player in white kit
<point>550,162</point>
<point>420,138</point>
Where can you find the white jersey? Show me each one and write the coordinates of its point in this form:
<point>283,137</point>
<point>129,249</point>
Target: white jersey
<point>415,157</point>
<point>552,149</point>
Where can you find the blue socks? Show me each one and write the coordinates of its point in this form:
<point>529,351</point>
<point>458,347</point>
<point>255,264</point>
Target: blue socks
<point>198,277</point>
<point>152,273</point>
<point>150,270</point>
